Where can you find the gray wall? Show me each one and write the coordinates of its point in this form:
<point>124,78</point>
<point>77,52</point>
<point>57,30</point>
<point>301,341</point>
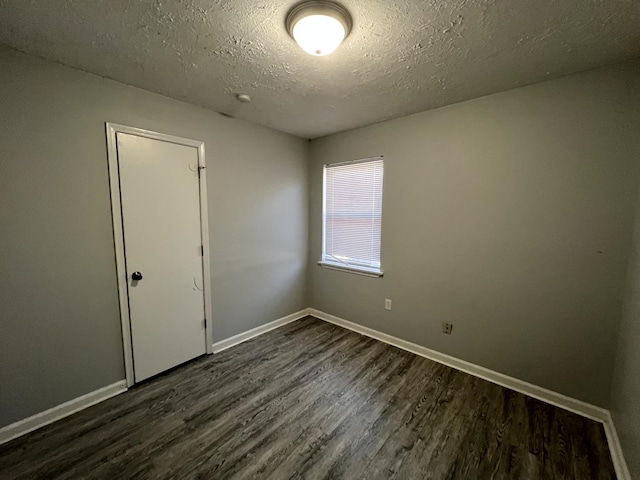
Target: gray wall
<point>625,396</point>
<point>510,216</point>
<point>60,331</point>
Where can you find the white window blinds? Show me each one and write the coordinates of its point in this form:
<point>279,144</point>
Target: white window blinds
<point>353,213</point>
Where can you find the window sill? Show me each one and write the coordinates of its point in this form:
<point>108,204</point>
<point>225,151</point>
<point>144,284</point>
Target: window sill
<point>355,270</point>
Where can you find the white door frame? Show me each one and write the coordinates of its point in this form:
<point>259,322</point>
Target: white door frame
<point>118,235</point>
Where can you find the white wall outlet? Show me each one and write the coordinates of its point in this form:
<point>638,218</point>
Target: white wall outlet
<point>387,304</point>
<point>447,328</point>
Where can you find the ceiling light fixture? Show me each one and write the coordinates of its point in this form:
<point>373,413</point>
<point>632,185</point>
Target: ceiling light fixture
<point>319,27</point>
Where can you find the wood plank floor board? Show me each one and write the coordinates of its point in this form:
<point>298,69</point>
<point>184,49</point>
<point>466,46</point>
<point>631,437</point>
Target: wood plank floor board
<point>440,431</point>
<point>468,461</point>
<point>324,398</point>
<point>353,433</point>
<point>311,400</point>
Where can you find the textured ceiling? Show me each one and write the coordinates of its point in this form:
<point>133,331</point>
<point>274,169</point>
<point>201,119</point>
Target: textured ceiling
<point>402,57</point>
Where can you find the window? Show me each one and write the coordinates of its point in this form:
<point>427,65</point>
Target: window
<point>352,216</point>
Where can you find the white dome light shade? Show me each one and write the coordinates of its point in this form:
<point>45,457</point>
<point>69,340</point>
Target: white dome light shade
<point>319,26</point>
<point>318,34</point>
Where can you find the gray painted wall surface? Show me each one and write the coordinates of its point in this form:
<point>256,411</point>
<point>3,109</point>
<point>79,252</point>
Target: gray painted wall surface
<point>625,395</point>
<point>510,216</point>
<point>60,331</point>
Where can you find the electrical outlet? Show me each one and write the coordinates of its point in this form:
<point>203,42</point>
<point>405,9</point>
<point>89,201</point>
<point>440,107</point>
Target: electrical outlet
<point>387,304</point>
<point>447,328</point>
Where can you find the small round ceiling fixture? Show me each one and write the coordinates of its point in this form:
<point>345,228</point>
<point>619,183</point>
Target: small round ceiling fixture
<point>319,27</point>
<point>243,98</point>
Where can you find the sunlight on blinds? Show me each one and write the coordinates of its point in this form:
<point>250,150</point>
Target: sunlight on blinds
<point>353,213</point>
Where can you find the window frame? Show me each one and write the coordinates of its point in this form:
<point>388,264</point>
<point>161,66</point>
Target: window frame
<point>337,265</point>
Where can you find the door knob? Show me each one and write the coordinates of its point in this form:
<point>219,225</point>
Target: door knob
<point>136,276</point>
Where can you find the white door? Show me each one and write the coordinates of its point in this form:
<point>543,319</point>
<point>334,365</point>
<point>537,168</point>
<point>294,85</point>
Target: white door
<point>160,199</point>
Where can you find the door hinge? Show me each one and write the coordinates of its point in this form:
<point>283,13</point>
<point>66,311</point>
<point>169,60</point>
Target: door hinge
<point>202,250</point>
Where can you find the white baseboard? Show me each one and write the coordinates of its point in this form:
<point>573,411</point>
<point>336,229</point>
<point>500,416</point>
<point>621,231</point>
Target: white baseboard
<point>577,406</point>
<point>41,419</point>
<point>615,447</point>
<point>254,332</point>
<point>571,404</point>
<point>559,400</point>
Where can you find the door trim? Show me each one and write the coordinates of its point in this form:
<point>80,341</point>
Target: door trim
<point>118,235</point>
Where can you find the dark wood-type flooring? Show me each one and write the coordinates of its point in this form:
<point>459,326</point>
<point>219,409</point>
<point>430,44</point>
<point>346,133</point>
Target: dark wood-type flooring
<point>312,400</point>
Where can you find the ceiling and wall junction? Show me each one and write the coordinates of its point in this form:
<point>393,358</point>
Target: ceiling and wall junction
<point>402,56</point>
